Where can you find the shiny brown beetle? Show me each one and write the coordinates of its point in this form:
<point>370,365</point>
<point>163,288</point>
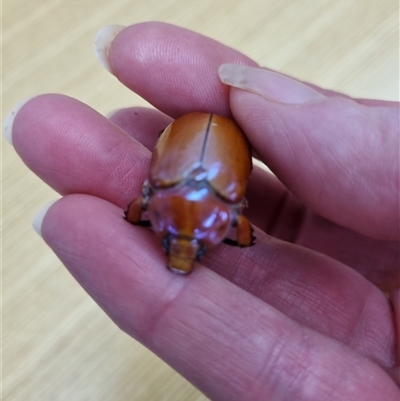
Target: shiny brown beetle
<point>195,191</point>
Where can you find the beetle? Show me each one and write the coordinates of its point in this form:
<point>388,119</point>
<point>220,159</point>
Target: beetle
<point>195,191</point>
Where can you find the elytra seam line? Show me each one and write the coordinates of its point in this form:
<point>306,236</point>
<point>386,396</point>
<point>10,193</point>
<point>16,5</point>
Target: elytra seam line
<point>203,150</point>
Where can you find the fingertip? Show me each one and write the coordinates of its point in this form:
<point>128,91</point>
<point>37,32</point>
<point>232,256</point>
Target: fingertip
<point>9,121</point>
<point>103,42</point>
<point>40,215</point>
<point>269,84</point>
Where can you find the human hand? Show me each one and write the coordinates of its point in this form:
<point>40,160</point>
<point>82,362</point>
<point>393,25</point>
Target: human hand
<point>289,318</point>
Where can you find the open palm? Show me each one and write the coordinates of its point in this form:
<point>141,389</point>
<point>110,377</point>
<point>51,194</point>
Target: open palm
<point>298,316</point>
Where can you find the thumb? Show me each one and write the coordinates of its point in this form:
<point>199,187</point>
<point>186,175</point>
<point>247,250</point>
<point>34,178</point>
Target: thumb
<point>338,155</point>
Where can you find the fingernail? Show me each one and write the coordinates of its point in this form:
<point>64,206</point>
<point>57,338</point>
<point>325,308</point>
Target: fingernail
<point>111,113</point>
<point>9,121</point>
<point>38,219</point>
<point>268,84</point>
<point>103,41</point>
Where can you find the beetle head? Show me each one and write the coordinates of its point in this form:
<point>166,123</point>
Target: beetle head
<point>189,218</point>
<point>182,252</point>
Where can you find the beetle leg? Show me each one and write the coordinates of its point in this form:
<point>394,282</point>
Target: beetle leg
<point>134,211</point>
<point>135,208</point>
<point>231,242</point>
<point>244,231</point>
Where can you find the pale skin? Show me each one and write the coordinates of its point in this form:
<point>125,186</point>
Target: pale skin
<point>300,315</point>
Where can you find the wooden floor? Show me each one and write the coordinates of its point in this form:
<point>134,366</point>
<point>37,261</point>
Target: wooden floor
<point>57,344</point>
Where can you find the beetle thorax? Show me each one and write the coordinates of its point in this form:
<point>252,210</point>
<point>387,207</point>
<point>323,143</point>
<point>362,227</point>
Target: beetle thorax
<point>192,211</point>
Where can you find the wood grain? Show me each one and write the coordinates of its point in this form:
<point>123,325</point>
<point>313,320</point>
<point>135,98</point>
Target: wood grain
<point>57,344</point>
